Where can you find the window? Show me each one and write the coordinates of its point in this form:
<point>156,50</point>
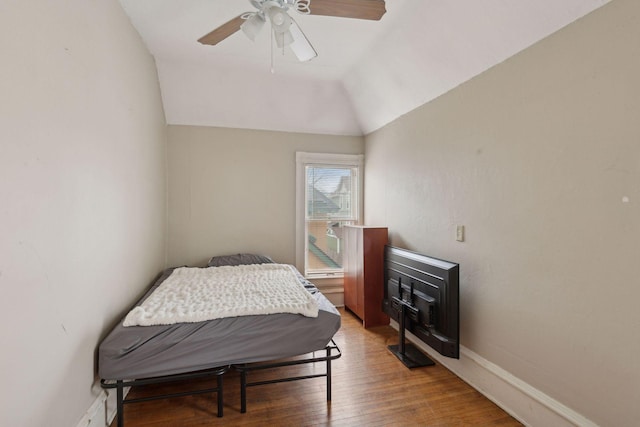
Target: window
<point>328,196</point>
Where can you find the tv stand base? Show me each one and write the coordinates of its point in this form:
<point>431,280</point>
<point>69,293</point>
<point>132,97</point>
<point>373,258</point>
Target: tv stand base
<point>408,353</point>
<point>412,357</point>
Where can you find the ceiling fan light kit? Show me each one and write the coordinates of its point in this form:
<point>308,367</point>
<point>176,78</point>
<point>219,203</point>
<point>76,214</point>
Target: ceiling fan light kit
<point>280,21</point>
<point>286,31</point>
<point>301,46</point>
<point>252,25</point>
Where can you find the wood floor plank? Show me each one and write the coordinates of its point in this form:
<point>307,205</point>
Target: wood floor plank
<point>371,387</point>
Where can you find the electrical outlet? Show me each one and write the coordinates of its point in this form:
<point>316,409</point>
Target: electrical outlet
<point>460,233</point>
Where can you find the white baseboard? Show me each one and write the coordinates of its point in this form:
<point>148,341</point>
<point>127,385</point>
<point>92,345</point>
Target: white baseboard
<point>103,410</point>
<point>519,399</point>
<point>95,415</point>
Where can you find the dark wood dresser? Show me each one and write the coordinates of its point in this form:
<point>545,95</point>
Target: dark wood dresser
<point>363,260</point>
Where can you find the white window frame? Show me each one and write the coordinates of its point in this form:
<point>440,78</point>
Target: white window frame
<point>303,160</point>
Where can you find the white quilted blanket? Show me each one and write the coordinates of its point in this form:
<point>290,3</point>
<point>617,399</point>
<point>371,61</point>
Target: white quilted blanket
<point>199,294</point>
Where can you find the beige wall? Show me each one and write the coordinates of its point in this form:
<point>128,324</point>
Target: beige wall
<point>534,157</point>
<point>82,197</point>
<point>539,158</point>
<point>233,190</point>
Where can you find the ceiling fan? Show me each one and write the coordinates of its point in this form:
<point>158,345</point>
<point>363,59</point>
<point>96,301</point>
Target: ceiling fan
<point>286,31</point>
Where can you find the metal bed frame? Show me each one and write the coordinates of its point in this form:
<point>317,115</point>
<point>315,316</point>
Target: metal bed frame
<point>119,385</point>
<point>332,353</point>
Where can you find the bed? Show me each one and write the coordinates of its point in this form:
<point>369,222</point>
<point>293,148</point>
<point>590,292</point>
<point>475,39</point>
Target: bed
<point>139,355</point>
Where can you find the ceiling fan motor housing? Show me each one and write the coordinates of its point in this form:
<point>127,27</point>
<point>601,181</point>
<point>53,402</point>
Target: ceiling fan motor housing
<point>301,6</point>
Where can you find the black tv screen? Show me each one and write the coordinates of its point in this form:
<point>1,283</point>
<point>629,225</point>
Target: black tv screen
<point>431,287</point>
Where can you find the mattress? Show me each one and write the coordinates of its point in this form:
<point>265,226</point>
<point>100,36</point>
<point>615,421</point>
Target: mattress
<point>150,351</point>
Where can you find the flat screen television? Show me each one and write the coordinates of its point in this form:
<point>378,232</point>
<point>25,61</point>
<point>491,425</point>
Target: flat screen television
<point>426,290</point>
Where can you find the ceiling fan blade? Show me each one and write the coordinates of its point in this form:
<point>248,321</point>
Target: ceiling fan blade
<point>301,46</point>
<point>358,9</point>
<point>223,31</point>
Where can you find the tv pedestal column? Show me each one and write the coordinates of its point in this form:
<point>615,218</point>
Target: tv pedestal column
<point>407,353</point>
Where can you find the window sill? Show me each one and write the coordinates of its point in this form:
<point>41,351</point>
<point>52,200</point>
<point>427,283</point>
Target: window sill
<point>324,276</point>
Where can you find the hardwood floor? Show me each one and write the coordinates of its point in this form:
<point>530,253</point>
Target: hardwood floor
<point>370,388</point>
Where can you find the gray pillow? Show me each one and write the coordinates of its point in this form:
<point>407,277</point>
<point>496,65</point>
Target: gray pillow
<point>239,259</point>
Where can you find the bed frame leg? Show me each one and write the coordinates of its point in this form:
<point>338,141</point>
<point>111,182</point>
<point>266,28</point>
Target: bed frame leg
<point>220,396</point>
<point>328,375</point>
<point>120,403</point>
<point>243,391</point>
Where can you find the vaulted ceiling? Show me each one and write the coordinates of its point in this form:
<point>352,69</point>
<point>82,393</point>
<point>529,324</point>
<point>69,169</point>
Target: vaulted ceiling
<point>367,73</point>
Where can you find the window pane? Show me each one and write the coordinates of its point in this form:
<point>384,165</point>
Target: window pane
<point>325,247</point>
<point>331,202</point>
<point>331,193</point>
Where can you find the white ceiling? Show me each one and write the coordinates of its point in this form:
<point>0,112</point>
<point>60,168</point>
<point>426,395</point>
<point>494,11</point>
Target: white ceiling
<point>367,73</point>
